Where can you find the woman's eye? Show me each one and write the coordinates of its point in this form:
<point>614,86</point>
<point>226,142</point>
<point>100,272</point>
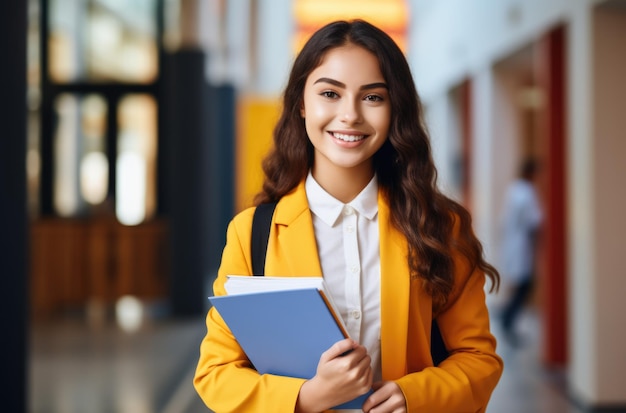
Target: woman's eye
<point>373,98</point>
<point>330,94</point>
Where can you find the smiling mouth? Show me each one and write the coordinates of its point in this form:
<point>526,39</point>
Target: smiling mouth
<point>348,138</point>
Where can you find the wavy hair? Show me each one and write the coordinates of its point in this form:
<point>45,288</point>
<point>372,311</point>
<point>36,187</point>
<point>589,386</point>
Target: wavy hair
<point>404,166</point>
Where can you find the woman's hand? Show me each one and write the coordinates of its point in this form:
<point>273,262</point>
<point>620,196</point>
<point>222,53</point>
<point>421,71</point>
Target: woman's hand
<point>387,398</point>
<point>343,373</point>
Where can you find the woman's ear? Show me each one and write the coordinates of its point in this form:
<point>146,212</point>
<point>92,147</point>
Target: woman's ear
<point>302,112</point>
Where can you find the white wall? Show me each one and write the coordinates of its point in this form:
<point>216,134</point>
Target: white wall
<point>609,199</point>
<point>454,38</point>
<point>582,306</point>
<point>482,155</point>
<point>274,49</point>
<point>442,122</point>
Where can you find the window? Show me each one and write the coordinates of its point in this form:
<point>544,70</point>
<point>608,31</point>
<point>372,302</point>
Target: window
<point>99,109</point>
<point>135,198</point>
<point>103,41</point>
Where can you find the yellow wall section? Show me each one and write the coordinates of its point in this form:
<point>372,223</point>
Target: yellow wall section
<point>257,118</point>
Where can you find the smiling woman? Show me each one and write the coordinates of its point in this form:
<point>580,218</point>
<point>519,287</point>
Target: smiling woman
<point>357,203</point>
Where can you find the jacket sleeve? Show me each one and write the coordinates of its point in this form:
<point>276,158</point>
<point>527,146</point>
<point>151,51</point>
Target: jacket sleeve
<point>225,378</point>
<point>465,380</point>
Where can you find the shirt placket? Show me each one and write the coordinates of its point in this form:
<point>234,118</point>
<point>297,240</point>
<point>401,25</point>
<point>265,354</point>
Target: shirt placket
<point>353,272</point>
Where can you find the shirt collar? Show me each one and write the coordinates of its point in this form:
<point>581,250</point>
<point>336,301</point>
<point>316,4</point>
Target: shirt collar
<point>328,208</point>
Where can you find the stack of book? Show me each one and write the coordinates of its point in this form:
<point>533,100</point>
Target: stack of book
<point>284,324</point>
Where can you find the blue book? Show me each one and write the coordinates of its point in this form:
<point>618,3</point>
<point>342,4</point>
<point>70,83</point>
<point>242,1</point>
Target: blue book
<point>284,332</point>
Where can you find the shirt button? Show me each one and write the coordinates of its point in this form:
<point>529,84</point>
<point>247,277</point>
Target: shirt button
<point>348,210</point>
<point>349,229</point>
<point>354,269</point>
<point>356,314</point>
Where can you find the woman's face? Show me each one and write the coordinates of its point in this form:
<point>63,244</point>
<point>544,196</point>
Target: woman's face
<point>347,111</point>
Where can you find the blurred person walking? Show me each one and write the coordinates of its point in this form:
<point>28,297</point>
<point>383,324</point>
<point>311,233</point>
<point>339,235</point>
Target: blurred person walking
<point>521,221</point>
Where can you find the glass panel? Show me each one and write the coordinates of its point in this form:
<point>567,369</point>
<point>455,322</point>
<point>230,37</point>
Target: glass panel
<point>103,40</point>
<point>135,198</point>
<point>66,154</point>
<point>94,165</point>
<point>80,164</point>
<point>171,29</point>
<point>33,75</point>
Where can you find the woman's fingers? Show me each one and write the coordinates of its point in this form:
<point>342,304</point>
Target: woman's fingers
<point>338,349</point>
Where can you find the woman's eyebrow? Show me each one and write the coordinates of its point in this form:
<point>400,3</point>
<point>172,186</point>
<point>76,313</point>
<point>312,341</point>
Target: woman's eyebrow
<point>343,85</point>
<point>374,86</point>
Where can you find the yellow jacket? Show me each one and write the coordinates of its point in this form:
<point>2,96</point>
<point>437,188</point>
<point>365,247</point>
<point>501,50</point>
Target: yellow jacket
<point>462,383</point>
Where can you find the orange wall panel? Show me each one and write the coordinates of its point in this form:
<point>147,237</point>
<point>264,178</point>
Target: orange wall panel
<point>256,120</point>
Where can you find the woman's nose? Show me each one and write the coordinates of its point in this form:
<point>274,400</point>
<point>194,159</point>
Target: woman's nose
<point>351,112</point>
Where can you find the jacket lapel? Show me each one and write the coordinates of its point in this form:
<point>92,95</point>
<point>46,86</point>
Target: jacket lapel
<point>296,250</point>
<point>394,295</point>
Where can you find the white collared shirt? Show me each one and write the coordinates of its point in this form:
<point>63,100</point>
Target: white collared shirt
<point>348,245</point>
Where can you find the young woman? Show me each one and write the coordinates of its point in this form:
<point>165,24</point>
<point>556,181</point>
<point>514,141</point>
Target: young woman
<point>352,171</point>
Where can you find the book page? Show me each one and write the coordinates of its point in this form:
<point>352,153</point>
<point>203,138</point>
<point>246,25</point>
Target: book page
<point>244,284</point>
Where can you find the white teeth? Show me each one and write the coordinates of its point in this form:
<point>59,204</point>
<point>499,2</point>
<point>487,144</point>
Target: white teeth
<point>348,138</point>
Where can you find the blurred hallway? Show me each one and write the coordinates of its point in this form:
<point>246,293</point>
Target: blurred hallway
<point>83,370</point>
<point>488,84</point>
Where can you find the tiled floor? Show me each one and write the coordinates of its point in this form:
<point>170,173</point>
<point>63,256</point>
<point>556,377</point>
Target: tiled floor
<point>76,368</point>
<point>526,385</point>
<point>80,368</point>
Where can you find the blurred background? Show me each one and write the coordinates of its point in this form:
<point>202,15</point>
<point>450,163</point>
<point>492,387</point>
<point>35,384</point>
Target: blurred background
<point>134,130</point>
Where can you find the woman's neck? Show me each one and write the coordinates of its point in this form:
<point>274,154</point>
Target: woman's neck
<point>343,184</point>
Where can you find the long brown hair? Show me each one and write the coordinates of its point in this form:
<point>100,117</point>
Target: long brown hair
<point>404,165</point>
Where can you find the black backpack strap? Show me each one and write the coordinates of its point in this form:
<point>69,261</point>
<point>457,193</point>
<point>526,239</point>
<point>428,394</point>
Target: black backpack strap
<point>438,350</point>
<point>261,224</point>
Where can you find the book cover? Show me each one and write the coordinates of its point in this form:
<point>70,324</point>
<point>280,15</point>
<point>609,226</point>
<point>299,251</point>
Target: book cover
<point>283,332</point>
